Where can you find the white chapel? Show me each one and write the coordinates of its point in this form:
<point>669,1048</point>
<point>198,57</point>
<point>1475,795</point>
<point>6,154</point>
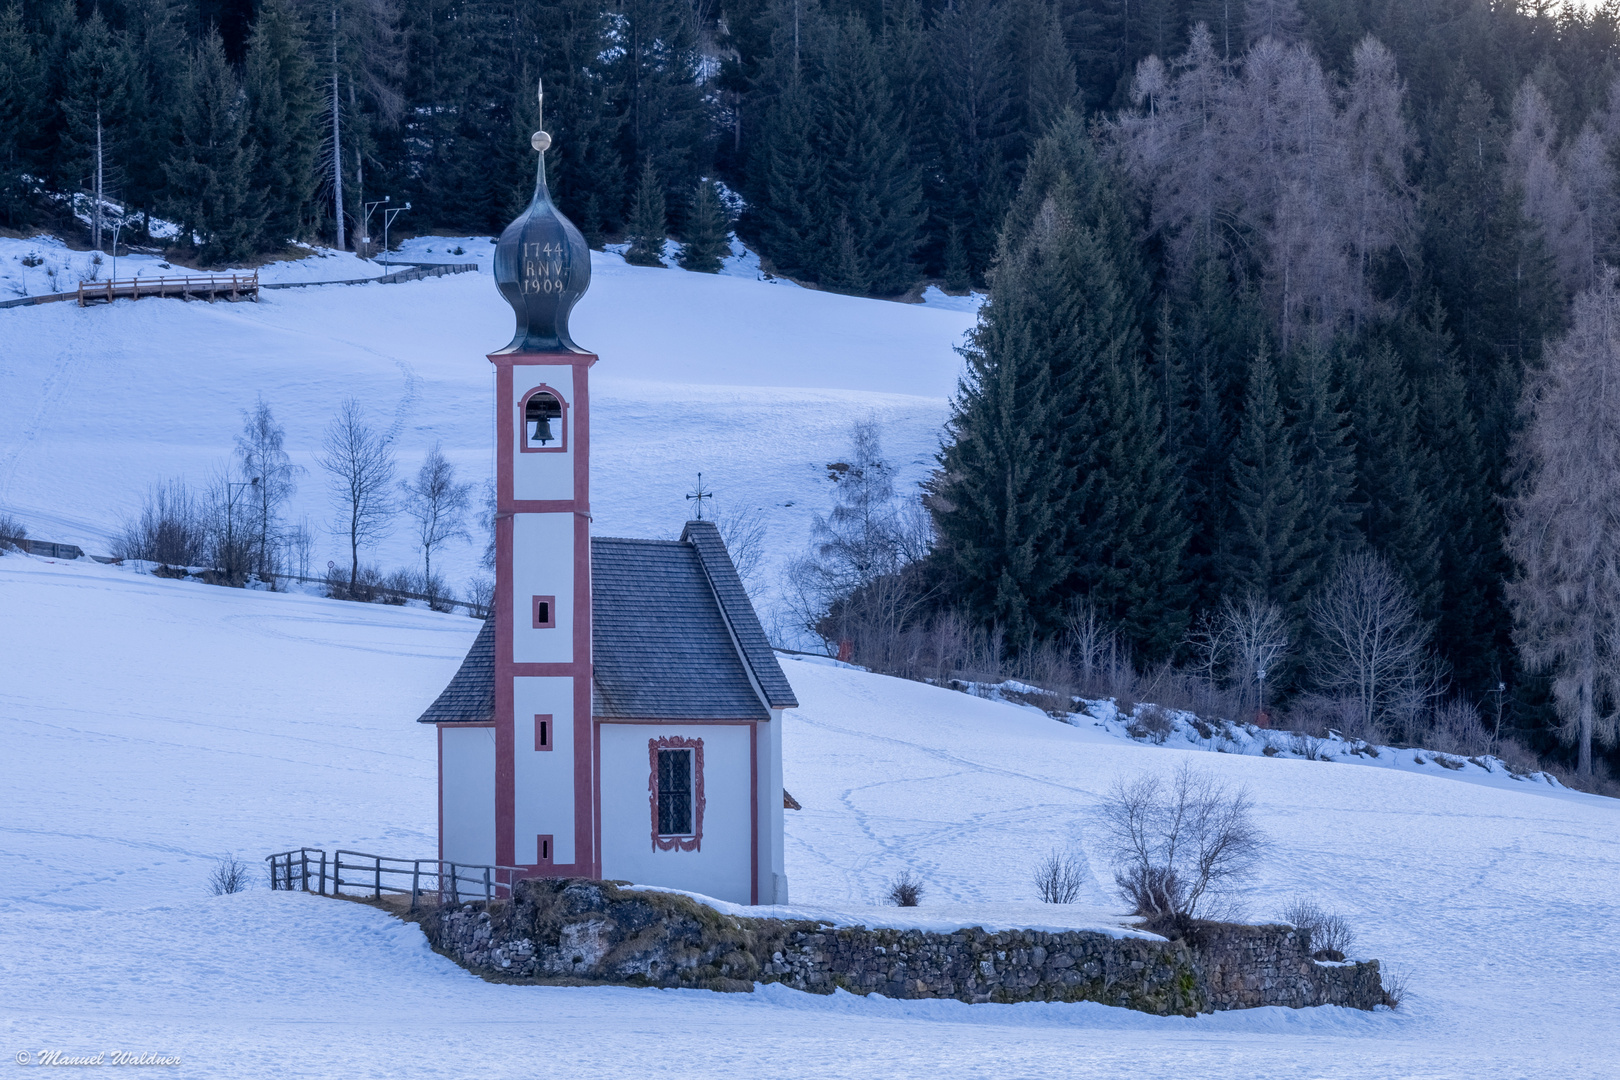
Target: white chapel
<point>620,714</point>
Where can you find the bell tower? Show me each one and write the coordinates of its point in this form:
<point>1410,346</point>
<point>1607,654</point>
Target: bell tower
<point>544,755</point>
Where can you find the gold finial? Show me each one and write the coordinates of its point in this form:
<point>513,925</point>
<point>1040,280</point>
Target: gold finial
<point>540,140</point>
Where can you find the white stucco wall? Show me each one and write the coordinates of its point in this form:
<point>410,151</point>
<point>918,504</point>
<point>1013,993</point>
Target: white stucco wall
<point>721,867</point>
<point>543,802</point>
<point>542,565</point>
<point>546,475</point>
<point>467,776</point>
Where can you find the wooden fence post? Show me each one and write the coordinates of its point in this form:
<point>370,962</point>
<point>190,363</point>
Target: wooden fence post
<point>377,860</point>
<point>455,888</point>
<point>323,871</point>
<point>303,855</point>
<point>416,876</point>
<point>486,885</point>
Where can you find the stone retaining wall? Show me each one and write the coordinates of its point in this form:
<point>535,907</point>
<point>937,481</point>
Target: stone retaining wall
<point>578,931</point>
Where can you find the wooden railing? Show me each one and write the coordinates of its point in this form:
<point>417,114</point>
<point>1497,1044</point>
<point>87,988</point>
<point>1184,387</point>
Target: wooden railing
<point>210,287</point>
<point>310,870</point>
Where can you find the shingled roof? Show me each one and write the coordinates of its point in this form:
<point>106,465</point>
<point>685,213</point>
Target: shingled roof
<point>674,637</point>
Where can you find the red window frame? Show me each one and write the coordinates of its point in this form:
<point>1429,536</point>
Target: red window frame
<point>692,841</point>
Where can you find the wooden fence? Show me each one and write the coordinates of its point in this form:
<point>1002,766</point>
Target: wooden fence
<point>209,287</point>
<point>312,870</point>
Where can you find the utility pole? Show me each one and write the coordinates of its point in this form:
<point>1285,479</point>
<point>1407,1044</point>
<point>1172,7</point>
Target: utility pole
<point>388,219</point>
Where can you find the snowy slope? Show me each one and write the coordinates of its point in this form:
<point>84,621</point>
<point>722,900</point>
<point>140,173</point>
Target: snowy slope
<point>149,724</point>
<point>753,383</point>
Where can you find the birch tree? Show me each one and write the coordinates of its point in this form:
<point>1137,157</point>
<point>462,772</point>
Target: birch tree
<point>261,454</point>
<point>1564,524</point>
<point>437,502</point>
<point>360,464</point>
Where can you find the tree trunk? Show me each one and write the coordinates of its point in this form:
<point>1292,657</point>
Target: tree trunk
<point>337,144</point>
<point>95,216</point>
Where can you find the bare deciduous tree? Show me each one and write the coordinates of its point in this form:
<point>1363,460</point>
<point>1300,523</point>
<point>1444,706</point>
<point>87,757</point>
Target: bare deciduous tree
<point>438,503</point>
<point>1179,844</point>
<point>1564,525</point>
<point>1374,647</point>
<point>361,466</point>
<point>743,532</point>
<point>261,453</point>
<point>1254,636</point>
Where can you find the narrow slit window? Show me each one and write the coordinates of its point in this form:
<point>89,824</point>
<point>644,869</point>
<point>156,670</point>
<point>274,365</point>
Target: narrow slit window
<point>542,421</point>
<point>542,731</point>
<point>674,792</point>
<point>545,612</point>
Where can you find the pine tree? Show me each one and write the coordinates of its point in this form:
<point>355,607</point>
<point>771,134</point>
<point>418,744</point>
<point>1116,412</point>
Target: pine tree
<point>648,227</point>
<point>708,230</point>
<point>1267,553</point>
<point>283,122</point>
<point>1326,460</point>
<point>661,97</point>
<point>97,95</point>
<point>1392,463</point>
<point>1471,630</point>
<point>868,177</point>
<point>211,168</point>
<point>999,498</point>
<point>788,208</point>
<point>155,36</point>
<point>20,108</point>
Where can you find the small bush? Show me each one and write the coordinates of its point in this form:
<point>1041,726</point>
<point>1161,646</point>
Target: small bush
<point>230,875</point>
<point>1396,982</point>
<point>1178,845</point>
<point>1458,729</point>
<point>12,533</point>
<point>1059,877</point>
<point>1328,931</point>
<point>905,890</point>
<point>172,528</point>
<point>1150,722</point>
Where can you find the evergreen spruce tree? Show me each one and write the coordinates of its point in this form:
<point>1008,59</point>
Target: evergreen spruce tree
<point>211,169</point>
<point>21,105</point>
<point>648,226</point>
<point>1471,629</point>
<point>1326,461</point>
<point>788,209</point>
<point>958,278</point>
<point>661,97</point>
<point>999,497</point>
<point>154,34</point>
<point>97,95</point>
<point>1267,553</point>
<point>869,181</point>
<point>708,230</point>
<point>1392,465</point>
<point>284,112</point>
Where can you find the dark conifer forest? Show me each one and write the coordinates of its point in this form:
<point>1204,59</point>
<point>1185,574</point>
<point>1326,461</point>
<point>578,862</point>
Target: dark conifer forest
<point>1272,282</point>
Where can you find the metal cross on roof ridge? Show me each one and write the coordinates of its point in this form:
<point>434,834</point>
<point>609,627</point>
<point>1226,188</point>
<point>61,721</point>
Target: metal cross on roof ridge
<point>699,495</point>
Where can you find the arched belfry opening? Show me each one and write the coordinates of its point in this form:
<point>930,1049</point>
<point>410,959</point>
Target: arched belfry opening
<point>543,422</point>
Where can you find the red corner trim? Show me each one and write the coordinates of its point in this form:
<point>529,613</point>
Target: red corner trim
<point>693,842</point>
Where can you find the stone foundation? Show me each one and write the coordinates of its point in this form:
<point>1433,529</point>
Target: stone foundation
<point>592,932</point>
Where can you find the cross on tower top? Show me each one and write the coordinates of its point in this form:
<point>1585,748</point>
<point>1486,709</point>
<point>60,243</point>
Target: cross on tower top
<point>699,495</point>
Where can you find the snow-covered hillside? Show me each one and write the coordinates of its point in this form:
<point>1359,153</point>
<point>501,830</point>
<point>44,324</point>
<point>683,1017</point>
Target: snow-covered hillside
<point>151,724</point>
<point>753,383</point>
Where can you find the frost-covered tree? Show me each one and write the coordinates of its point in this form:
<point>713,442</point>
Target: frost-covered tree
<point>262,460</point>
<point>1564,524</point>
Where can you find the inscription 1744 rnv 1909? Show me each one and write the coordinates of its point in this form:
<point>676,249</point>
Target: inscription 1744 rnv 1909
<point>543,268</point>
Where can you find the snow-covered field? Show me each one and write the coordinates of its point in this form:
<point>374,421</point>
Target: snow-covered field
<point>151,724</point>
<point>752,383</point>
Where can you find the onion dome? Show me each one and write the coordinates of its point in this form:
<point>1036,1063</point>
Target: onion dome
<point>542,267</point>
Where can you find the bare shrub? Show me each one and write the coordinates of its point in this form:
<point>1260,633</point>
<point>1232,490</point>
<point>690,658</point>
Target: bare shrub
<point>12,532</point>
<point>172,528</point>
<point>1150,722</point>
<point>1518,758</point>
<point>1458,729</point>
<point>393,588</point>
<point>1328,931</point>
<point>1181,843</point>
<point>743,531</point>
<point>229,875</point>
<point>905,890</point>
<point>1059,878</point>
<point>1397,980</point>
<point>480,596</point>
<point>1321,715</point>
